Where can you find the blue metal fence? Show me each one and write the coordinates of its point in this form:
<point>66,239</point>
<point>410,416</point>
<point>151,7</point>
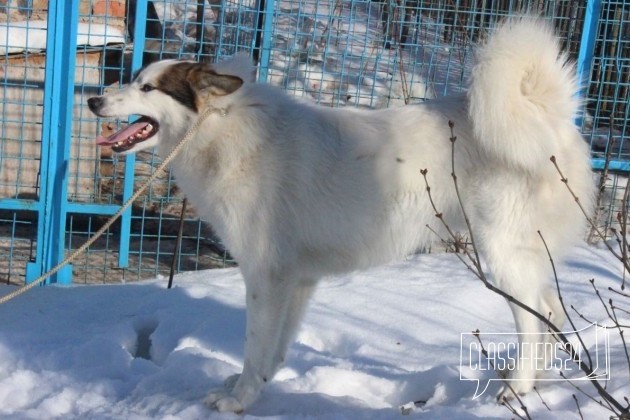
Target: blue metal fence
<point>56,186</point>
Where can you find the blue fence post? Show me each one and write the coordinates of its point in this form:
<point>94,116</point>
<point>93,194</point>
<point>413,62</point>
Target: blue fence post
<point>61,46</point>
<point>130,160</point>
<point>587,47</point>
<point>265,11</point>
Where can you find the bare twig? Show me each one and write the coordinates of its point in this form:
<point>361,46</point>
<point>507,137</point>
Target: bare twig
<point>403,77</point>
<point>506,403</point>
<point>453,139</point>
<point>590,397</point>
<point>449,245</point>
<point>577,404</point>
<point>592,281</point>
<point>601,326</point>
<point>614,405</point>
<point>476,268</point>
<point>589,219</point>
<point>619,328</point>
<point>623,222</point>
<point>618,292</point>
<point>625,311</point>
<point>602,183</point>
<point>336,14</point>
<point>564,309</point>
<point>541,399</point>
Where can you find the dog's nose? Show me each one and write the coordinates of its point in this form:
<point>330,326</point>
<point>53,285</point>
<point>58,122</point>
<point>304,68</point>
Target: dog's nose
<point>95,103</point>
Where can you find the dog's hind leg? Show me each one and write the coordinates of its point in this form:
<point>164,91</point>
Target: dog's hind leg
<point>274,311</point>
<point>506,225</point>
<point>518,273</point>
<point>523,273</point>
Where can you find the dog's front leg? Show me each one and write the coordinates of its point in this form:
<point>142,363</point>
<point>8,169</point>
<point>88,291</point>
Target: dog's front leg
<point>274,311</point>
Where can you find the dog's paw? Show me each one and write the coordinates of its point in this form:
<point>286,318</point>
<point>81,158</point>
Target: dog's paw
<point>236,395</point>
<point>222,401</point>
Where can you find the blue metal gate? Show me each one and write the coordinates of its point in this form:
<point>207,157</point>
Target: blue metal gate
<point>310,47</point>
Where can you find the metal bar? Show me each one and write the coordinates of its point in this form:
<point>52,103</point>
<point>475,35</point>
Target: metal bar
<point>613,165</point>
<point>258,36</point>
<point>71,207</point>
<point>90,208</point>
<point>35,268</point>
<point>199,31</point>
<point>18,204</point>
<point>63,139</point>
<point>264,31</point>
<point>178,244</point>
<point>139,34</point>
<point>63,18</point>
<point>587,48</point>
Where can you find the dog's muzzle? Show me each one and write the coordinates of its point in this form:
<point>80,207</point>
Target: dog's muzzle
<point>95,104</point>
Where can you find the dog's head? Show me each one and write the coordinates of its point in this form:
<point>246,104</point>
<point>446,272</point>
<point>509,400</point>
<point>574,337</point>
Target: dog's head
<point>166,92</point>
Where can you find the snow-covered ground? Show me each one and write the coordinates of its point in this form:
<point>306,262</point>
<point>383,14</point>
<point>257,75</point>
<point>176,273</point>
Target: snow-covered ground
<point>31,35</point>
<point>371,342</point>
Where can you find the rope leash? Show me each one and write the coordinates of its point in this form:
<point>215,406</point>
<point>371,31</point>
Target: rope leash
<point>189,134</point>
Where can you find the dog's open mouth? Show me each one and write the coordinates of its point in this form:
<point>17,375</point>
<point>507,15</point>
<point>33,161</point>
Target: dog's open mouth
<point>125,139</point>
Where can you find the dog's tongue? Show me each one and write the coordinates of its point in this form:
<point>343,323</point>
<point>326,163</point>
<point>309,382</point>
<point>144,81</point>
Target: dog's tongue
<point>108,138</point>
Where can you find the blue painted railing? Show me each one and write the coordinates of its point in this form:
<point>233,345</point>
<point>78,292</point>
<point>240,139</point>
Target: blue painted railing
<point>53,206</point>
<point>56,123</point>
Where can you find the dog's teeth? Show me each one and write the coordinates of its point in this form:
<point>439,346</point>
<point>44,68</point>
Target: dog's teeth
<point>149,127</point>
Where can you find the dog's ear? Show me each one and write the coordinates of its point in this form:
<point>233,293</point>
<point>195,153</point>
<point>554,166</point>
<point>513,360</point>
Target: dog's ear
<point>205,80</point>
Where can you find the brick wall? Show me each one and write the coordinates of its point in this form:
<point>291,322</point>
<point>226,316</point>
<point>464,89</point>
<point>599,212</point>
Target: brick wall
<point>113,8</point>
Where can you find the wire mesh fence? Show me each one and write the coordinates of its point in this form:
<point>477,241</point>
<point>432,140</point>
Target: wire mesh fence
<point>368,54</point>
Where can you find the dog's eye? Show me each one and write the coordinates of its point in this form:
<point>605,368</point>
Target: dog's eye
<point>147,88</point>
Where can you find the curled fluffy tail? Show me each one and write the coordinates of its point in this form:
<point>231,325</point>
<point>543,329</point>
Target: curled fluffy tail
<point>522,94</point>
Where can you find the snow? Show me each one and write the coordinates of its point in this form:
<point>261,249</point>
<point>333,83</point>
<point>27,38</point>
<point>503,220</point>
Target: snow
<point>371,343</point>
<point>31,35</point>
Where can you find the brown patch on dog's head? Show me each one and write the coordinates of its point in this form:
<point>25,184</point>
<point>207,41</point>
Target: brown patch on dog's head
<point>193,84</point>
<point>175,84</point>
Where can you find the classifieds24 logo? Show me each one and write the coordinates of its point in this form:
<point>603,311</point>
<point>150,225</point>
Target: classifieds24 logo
<point>488,357</point>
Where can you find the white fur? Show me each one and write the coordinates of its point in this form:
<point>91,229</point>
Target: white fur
<point>298,192</point>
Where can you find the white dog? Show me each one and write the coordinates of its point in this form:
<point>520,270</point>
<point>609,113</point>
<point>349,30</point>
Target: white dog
<point>299,192</point>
